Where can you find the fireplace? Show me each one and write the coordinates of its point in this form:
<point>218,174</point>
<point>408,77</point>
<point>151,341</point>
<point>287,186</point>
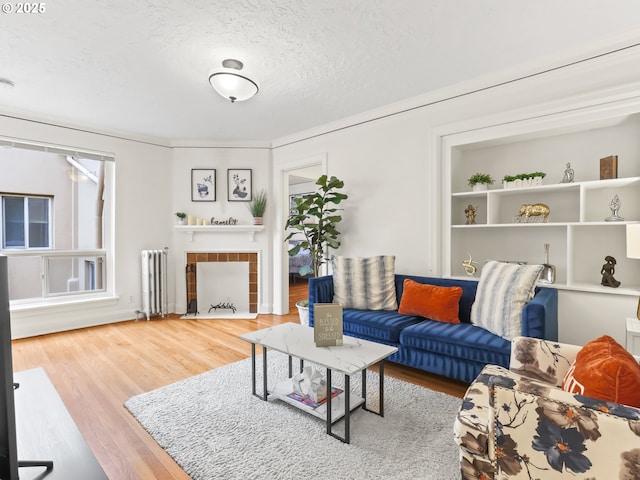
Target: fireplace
<point>250,278</point>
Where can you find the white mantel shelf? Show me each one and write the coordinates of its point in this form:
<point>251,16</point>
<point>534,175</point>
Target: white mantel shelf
<point>201,229</point>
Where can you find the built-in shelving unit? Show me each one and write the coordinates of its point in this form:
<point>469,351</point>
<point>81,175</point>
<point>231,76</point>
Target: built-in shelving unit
<point>576,228</point>
<point>190,230</point>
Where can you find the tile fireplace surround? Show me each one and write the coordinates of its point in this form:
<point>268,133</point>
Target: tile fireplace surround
<point>251,257</point>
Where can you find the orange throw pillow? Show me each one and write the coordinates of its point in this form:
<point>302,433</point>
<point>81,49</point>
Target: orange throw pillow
<point>603,369</point>
<point>430,301</point>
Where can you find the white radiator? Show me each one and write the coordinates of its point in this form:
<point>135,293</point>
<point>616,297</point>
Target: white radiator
<point>154,282</point>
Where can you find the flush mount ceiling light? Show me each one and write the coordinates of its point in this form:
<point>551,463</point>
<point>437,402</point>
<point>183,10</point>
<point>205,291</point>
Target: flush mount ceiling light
<point>230,84</point>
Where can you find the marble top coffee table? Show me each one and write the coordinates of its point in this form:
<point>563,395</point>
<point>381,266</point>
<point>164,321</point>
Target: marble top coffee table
<point>354,356</point>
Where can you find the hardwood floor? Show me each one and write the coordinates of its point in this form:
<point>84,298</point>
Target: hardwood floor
<point>95,370</point>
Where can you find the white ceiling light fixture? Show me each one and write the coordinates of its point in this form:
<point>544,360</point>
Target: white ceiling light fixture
<point>230,84</point>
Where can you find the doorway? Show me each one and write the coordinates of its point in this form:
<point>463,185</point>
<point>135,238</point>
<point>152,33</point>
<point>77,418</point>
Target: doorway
<point>298,181</point>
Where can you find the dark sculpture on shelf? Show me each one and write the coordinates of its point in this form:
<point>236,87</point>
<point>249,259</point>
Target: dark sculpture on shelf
<point>608,269</point>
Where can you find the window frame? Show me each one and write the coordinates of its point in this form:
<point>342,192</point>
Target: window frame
<point>106,255</point>
<point>26,221</point>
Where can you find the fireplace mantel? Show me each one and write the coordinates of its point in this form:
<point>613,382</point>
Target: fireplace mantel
<point>190,230</point>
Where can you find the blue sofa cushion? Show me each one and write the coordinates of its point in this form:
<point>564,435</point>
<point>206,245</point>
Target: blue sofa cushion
<point>379,325</point>
<point>462,340</point>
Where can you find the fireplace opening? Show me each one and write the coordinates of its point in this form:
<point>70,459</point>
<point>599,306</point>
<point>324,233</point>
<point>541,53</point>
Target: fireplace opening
<point>222,285</point>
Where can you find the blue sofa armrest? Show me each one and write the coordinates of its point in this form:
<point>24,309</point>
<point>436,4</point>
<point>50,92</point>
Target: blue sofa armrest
<point>540,315</point>
<point>320,291</point>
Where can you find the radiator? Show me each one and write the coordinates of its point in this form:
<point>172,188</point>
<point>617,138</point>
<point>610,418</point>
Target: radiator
<point>154,282</point>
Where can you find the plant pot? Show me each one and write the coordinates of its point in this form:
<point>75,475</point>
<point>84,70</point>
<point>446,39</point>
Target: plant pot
<point>182,221</point>
<point>258,221</point>
<point>480,187</point>
<point>303,313</point>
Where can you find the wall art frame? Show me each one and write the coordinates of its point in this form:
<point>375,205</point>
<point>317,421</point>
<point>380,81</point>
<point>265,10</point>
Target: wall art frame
<point>203,185</point>
<point>239,185</point>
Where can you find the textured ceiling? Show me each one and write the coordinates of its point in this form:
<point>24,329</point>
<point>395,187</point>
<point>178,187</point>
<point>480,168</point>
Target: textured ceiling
<point>141,67</point>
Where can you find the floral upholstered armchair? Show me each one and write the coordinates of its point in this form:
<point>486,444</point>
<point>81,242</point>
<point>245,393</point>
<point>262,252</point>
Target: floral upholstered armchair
<point>520,423</point>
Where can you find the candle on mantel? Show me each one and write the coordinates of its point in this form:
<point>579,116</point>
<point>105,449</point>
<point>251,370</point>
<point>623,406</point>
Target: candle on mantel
<point>192,220</point>
<point>199,222</point>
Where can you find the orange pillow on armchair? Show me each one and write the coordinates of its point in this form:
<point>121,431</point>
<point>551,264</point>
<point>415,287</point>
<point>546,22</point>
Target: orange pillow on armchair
<point>430,301</point>
<point>603,369</point>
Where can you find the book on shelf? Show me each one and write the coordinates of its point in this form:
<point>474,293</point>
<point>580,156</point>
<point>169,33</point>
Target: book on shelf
<point>609,167</point>
<point>335,391</point>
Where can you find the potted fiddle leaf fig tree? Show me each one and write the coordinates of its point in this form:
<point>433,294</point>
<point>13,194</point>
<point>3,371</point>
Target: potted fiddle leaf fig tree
<point>313,219</point>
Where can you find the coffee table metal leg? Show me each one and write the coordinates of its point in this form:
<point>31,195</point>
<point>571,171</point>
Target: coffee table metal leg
<point>347,408</point>
<point>380,391</point>
<point>329,402</point>
<point>381,388</point>
<point>253,369</point>
<point>264,372</point>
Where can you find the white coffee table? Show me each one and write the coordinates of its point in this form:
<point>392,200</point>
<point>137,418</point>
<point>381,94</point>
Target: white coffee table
<point>354,356</point>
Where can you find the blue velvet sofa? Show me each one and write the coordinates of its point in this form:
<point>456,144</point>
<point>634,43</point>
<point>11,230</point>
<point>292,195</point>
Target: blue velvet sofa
<point>458,351</point>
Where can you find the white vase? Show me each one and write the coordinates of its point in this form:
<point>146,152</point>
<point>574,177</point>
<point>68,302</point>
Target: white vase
<point>303,313</point>
<point>480,187</point>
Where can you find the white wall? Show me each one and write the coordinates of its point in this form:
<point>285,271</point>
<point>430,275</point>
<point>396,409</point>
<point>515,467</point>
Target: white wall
<point>392,172</point>
<point>221,159</point>
<point>143,212</point>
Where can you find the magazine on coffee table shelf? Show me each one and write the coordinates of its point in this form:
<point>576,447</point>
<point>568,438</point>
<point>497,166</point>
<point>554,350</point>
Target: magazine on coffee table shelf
<point>335,391</point>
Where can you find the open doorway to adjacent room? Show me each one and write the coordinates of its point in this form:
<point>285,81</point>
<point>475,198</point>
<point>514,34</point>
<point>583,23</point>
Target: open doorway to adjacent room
<point>301,181</point>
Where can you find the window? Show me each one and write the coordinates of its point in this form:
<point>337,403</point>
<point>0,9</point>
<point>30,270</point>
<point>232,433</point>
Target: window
<point>55,222</point>
<point>26,222</point>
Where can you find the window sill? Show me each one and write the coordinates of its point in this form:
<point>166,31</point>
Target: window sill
<point>48,303</point>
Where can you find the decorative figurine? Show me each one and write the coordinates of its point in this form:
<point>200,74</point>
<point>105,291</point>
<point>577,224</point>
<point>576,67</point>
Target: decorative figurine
<point>548,273</point>
<point>608,269</point>
<point>470,212</point>
<point>538,210</point>
<point>470,266</point>
<point>614,206</point>
<point>568,174</point>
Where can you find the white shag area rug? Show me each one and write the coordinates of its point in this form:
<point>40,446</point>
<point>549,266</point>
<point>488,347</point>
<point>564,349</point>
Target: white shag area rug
<point>214,428</point>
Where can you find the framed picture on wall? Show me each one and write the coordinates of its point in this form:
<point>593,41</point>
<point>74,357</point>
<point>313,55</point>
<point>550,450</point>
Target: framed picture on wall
<point>239,185</point>
<point>203,185</point>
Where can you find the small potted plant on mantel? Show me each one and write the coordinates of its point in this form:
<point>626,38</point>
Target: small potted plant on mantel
<point>314,216</point>
<point>181,217</point>
<point>480,181</point>
<point>257,207</point>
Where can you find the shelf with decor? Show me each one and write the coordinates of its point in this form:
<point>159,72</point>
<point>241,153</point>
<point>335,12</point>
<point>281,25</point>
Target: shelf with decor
<point>576,229</point>
<point>190,230</point>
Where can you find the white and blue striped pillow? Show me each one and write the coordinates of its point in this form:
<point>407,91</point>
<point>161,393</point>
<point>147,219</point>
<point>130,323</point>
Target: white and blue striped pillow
<point>503,291</point>
<point>364,283</point>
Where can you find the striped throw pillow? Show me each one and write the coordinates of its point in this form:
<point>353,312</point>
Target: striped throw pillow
<point>364,283</point>
<point>503,291</point>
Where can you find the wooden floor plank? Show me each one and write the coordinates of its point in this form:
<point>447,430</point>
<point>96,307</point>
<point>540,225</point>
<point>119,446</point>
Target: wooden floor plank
<point>95,370</point>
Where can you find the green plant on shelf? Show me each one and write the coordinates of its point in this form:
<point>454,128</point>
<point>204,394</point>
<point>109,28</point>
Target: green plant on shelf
<point>479,178</point>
